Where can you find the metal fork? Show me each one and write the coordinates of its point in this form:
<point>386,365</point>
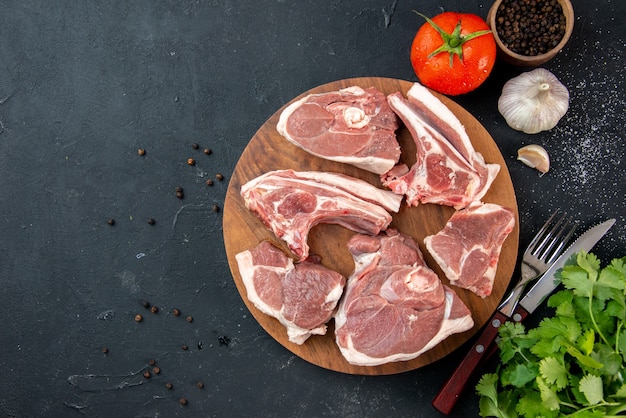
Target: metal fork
<point>542,251</point>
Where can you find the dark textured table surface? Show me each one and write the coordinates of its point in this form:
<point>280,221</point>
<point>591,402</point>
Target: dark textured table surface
<point>85,84</point>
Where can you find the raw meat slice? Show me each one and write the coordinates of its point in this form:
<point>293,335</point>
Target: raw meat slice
<point>448,171</point>
<point>290,203</point>
<point>394,307</point>
<point>302,296</point>
<point>353,126</point>
<point>468,247</point>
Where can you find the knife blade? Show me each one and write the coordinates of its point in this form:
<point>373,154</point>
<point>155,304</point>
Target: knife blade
<point>484,347</point>
<point>548,282</point>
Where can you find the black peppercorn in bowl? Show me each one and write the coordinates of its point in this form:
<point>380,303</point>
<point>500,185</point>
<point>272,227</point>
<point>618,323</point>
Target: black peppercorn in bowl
<point>530,32</point>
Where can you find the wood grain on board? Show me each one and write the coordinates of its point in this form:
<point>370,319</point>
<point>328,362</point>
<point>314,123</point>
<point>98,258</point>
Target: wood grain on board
<point>268,150</point>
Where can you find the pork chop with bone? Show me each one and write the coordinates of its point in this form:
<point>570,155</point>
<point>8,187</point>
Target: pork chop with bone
<point>394,307</point>
<point>302,296</point>
<point>468,247</point>
<point>448,171</point>
<point>290,203</point>
<point>353,126</point>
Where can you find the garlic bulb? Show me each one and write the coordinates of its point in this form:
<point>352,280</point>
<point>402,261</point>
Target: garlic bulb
<point>534,101</point>
<point>534,156</point>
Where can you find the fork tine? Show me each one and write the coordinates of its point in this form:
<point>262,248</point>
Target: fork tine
<point>563,242</point>
<point>540,234</point>
<point>548,239</point>
<point>555,238</point>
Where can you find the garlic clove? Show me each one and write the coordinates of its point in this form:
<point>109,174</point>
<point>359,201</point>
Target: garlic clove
<point>534,101</point>
<point>534,156</point>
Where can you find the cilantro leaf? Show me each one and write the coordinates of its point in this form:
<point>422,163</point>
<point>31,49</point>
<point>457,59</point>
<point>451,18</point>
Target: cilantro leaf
<point>562,301</point>
<point>553,372</point>
<point>560,326</point>
<point>548,395</point>
<point>531,406</point>
<point>559,298</point>
<point>574,383</point>
<point>610,360</point>
<point>513,340</point>
<point>589,262</point>
<point>591,387</point>
<point>548,348</point>
<point>577,279</point>
<point>487,386</point>
<point>586,341</point>
<point>492,403</point>
<point>584,360</point>
<point>612,277</point>
<point>617,308</point>
<point>487,389</point>
<point>519,374</point>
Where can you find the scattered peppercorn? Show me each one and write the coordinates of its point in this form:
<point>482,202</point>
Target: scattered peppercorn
<point>105,350</point>
<point>191,161</point>
<point>141,151</point>
<point>156,370</point>
<point>152,362</point>
<point>145,304</point>
<point>151,221</point>
<point>138,318</point>
<point>530,27</point>
<point>219,176</point>
<point>111,221</point>
<point>154,309</point>
<point>184,347</point>
<point>195,146</point>
<point>175,312</point>
<point>208,151</point>
<point>147,374</point>
<point>178,189</point>
<point>169,386</point>
<point>179,192</point>
<point>189,318</point>
<point>182,401</point>
<point>216,208</point>
<point>209,182</point>
<point>200,384</point>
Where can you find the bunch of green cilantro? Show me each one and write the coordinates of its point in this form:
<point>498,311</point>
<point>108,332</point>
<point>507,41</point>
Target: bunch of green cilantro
<point>571,364</point>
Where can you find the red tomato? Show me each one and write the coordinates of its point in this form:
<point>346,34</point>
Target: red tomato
<point>453,53</point>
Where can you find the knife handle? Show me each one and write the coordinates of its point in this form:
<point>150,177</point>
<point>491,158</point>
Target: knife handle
<point>454,386</point>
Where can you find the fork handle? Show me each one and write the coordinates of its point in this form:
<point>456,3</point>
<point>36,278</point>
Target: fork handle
<point>449,393</point>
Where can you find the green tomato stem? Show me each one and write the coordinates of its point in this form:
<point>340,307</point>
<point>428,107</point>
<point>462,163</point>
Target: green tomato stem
<point>452,42</point>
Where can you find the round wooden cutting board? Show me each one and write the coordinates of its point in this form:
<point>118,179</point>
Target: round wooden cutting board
<point>268,151</point>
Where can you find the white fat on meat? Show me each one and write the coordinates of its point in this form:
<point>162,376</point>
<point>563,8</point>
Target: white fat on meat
<point>395,308</point>
<point>448,171</point>
<point>302,296</point>
<point>353,126</point>
<point>290,203</point>
<point>468,247</point>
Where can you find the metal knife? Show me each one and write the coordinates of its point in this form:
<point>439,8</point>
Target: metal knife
<point>454,386</point>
